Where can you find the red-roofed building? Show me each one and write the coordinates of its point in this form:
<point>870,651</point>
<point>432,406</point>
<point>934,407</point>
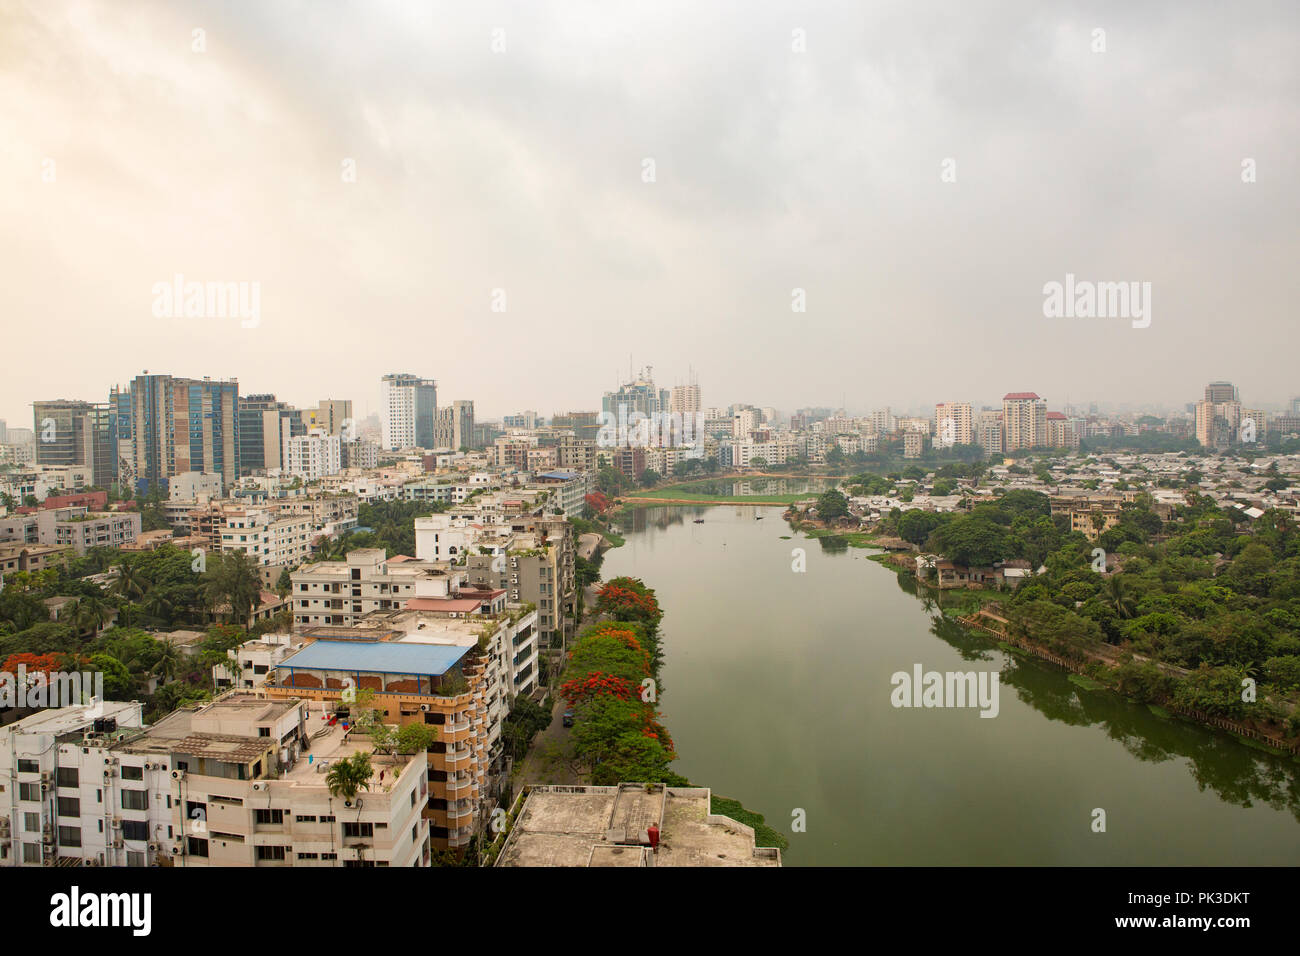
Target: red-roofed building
<point>1061,432</point>
<point>1024,421</point>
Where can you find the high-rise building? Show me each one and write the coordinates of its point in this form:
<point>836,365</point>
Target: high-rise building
<point>1221,392</point>
<point>264,423</point>
<point>77,433</point>
<point>988,431</point>
<point>1061,432</point>
<point>1024,421</point>
<point>410,408</point>
<point>639,395</point>
<point>952,424</point>
<point>1219,417</point>
<point>685,399</point>
<point>455,426</point>
<point>183,424</point>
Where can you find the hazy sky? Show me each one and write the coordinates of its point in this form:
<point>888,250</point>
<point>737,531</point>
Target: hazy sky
<point>521,169</point>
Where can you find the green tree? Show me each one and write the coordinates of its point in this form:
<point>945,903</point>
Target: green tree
<point>349,775</point>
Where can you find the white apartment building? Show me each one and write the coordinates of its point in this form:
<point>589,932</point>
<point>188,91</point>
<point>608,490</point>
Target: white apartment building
<point>773,452</point>
<point>313,456</point>
<point>409,411</point>
<point>247,777</point>
<point>269,539</point>
<point>340,593</point>
<point>65,794</point>
<point>194,486</point>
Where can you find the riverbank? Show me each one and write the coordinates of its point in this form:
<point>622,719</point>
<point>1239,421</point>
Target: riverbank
<point>1102,668</point>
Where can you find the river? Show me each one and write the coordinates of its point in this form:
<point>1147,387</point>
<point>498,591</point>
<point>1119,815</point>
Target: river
<point>776,690</point>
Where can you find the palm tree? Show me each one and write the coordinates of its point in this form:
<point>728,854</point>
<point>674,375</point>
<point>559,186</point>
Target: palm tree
<point>130,582</point>
<point>168,662</point>
<point>347,776</point>
<point>88,614</point>
<point>232,579</point>
<point>159,605</point>
<point>1118,596</point>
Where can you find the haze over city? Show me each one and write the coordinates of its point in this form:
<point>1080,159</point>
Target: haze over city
<point>504,147</point>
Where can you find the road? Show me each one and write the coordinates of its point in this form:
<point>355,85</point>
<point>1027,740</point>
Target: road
<point>550,759</point>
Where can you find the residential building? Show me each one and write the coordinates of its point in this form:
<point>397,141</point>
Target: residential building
<point>248,787</point>
<point>444,685</point>
<point>1024,421</point>
<point>313,456</point>
<point>64,795</point>
<point>410,407</point>
<point>953,424</point>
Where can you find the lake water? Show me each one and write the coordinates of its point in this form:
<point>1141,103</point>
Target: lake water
<point>776,690</point>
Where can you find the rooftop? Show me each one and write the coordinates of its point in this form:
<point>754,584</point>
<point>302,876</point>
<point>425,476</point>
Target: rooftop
<point>606,826</point>
<point>380,657</point>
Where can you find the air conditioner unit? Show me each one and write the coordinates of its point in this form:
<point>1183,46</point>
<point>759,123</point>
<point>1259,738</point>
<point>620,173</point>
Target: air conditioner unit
<point>178,774</point>
<point>155,847</point>
<point>117,823</point>
<point>117,843</point>
<point>259,786</point>
<point>178,846</point>
<point>108,774</point>
<point>46,778</point>
<point>424,707</point>
<point>148,766</point>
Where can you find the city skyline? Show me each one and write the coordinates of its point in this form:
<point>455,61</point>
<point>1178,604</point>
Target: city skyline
<point>426,190</point>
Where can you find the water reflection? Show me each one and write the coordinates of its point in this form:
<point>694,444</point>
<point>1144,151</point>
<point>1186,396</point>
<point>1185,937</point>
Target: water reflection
<point>1238,774</point>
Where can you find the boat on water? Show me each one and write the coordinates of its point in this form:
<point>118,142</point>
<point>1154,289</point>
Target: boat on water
<point>699,521</point>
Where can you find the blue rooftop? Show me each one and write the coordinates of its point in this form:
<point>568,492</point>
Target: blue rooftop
<point>377,657</point>
<point>561,475</point>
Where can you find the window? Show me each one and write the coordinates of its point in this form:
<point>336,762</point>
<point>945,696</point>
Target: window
<point>271,852</point>
<point>329,856</point>
<point>134,858</point>
<point>28,766</point>
<point>32,822</point>
<point>309,856</point>
<point>198,847</point>
<point>263,731</point>
<point>69,836</point>
<point>68,777</point>
<point>29,791</point>
<point>302,818</point>
<point>69,807</point>
<point>31,853</point>
<point>135,800</point>
<point>135,830</point>
<point>132,773</point>
<point>275,817</point>
<point>358,830</point>
<point>327,819</point>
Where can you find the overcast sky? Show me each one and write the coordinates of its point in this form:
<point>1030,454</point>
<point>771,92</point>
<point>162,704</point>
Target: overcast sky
<point>523,169</point>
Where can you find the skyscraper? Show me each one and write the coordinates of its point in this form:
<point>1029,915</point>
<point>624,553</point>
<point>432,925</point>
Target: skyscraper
<point>1024,421</point>
<point>77,433</point>
<point>183,424</point>
<point>410,407</point>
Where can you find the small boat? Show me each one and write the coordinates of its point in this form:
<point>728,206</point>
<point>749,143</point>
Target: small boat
<point>758,517</point>
<point>699,521</point>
